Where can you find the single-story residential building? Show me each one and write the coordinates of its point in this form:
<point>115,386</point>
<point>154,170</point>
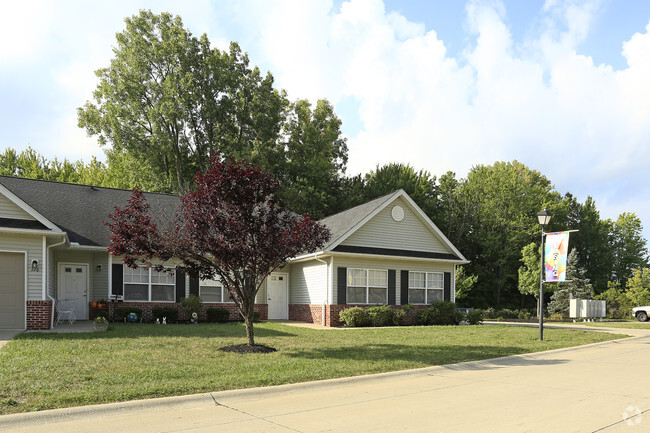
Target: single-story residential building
<point>53,248</point>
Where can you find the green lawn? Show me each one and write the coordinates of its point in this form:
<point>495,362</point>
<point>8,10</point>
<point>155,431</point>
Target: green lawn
<point>43,371</point>
<point>628,324</point>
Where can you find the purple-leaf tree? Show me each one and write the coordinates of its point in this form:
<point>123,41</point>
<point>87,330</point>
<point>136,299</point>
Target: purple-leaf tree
<point>230,225</point>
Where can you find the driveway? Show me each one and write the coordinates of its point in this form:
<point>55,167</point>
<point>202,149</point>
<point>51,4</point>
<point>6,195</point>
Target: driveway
<point>7,334</point>
<point>597,388</point>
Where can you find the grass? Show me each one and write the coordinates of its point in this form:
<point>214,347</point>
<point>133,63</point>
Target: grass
<point>623,325</point>
<point>41,371</point>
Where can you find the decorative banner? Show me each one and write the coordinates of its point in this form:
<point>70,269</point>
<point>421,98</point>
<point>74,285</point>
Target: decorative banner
<point>555,256</point>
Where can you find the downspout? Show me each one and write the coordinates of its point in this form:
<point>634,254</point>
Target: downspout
<point>327,289</point>
<point>46,268</point>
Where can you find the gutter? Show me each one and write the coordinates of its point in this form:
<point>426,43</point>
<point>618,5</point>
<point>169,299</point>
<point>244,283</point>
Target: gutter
<point>327,287</point>
<point>45,270</point>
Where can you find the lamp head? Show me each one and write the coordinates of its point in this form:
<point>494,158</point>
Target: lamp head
<point>544,217</point>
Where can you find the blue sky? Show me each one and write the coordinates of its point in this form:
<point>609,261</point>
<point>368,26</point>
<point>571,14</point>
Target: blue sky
<point>560,85</point>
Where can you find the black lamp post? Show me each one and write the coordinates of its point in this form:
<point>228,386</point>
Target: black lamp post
<point>544,217</point>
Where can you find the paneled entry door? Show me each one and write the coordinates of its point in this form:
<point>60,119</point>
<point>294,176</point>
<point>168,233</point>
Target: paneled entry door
<point>73,286</point>
<point>277,295</point>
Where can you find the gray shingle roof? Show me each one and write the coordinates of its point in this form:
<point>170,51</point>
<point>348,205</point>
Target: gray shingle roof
<point>342,222</point>
<point>80,210</point>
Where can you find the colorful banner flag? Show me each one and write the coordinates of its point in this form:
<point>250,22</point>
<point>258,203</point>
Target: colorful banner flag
<point>555,256</point>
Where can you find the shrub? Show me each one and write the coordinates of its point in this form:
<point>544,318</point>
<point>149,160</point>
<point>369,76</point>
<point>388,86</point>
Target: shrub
<point>474,317</point>
<point>381,315</point>
<point>556,316</point>
<point>191,304</point>
<point>440,313</point>
<point>398,316</point>
<point>170,313</point>
<point>354,317</point>
<point>219,315</point>
<point>122,312</point>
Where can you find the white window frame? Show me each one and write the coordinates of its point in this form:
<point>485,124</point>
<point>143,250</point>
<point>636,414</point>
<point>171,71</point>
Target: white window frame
<point>428,277</point>
<point>148,284</point>
<point>224,291</point>
<point>367,286</point>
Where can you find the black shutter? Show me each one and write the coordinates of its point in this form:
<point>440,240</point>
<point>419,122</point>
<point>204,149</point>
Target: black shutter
<point>391,287</point>
<point>404,287</point>
<point>180,285</point>
<point>342,285</point>
<point>194,285</point>
<point>447,286</point>
<point>117,286</point>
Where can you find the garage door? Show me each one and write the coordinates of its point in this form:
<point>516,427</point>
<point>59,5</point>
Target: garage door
<point>12,291</point>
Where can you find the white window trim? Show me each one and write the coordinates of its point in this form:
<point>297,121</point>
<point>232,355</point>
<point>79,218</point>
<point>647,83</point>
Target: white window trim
<point>148,284</point>
<point>224,291</point>
<point>425,288</point>
<point>366,286</point>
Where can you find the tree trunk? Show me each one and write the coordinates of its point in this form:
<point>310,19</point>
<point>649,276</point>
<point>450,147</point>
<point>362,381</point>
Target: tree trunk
<point>249,329</point>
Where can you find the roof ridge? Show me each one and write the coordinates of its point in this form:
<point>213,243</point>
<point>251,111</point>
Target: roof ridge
<point>385,196</point>
<point>83,185</point>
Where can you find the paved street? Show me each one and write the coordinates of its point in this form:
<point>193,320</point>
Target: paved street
<point>597,388</point>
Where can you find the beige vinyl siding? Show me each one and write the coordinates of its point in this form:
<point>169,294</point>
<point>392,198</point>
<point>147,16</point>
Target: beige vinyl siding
<point>9,209</point>
<point>308,283</point>
<point>411,233</point>
<point>33,246</point>
<point>395,264</point>
<point>99,279</point>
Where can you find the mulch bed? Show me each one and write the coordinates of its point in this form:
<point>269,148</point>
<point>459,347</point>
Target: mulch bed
<point>245,348</point>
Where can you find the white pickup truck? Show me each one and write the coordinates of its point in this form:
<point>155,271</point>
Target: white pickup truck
<point>641,313</point>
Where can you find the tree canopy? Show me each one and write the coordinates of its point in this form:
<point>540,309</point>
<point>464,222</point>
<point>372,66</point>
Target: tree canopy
<point>230,225</point>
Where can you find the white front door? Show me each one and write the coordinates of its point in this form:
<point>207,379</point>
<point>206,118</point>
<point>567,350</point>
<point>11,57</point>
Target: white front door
<point>277,295</point>
<point>73,286</point>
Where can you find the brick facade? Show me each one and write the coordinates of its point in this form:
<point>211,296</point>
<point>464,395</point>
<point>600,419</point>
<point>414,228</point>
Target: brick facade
<point>39,314</point>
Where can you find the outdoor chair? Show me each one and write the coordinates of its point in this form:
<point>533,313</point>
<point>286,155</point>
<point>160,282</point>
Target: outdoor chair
<point>65,311</point>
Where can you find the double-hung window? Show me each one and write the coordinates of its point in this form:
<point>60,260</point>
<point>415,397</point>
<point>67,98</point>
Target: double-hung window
<point>367,286</point>
<point>213,291</point>
<point>148,285</point>
<point>426,287</point>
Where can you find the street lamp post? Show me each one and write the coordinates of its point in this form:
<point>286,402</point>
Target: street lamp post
<point>544,217</point>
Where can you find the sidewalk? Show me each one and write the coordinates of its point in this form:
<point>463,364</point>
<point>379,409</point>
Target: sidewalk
<point>600,387</point>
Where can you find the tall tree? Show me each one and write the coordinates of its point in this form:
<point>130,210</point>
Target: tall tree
<point>628,247</point>
<point>231,226</point>
<point>505,198</point>
<point>530,271</point>
<point>638,287</point>
<point>315,159</point>
<point>173,100</point>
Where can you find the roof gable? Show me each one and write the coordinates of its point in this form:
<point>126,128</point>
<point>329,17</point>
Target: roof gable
<point>371,227</point>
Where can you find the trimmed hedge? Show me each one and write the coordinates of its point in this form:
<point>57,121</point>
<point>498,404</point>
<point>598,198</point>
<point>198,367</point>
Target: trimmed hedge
<point>218,315</point>
<point>122,312</point>
<point>440,313</point>
<point>171,313</point>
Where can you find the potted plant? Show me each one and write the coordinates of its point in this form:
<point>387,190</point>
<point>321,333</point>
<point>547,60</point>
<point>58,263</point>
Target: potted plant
<point>100,324</point>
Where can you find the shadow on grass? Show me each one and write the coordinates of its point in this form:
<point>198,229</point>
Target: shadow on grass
<point>141,330</point>
<point>428,355</point>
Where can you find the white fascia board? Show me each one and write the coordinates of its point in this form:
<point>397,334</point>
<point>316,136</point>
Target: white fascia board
<point>32,232</point>
<point>306,257</point>
<point>365,219</point>
<point>88,247</point>
<point>27,208</point>
<point>432,226</point>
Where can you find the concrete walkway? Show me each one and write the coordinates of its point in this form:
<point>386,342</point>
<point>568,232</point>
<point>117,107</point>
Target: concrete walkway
<point>602,387</point>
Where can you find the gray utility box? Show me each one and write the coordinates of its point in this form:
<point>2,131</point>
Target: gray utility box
<point>586,308</point>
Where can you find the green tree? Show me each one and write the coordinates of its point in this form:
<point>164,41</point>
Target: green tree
<point>530,271</point>
<point>464,283</point>
<point>577,286</point>
<point>638,287</point>
<point>419,185</point>
<point>172,100</point>
<point>617,301</point>
<point>315,159</point>
<point>505,199</point>
<point>628,246</point>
